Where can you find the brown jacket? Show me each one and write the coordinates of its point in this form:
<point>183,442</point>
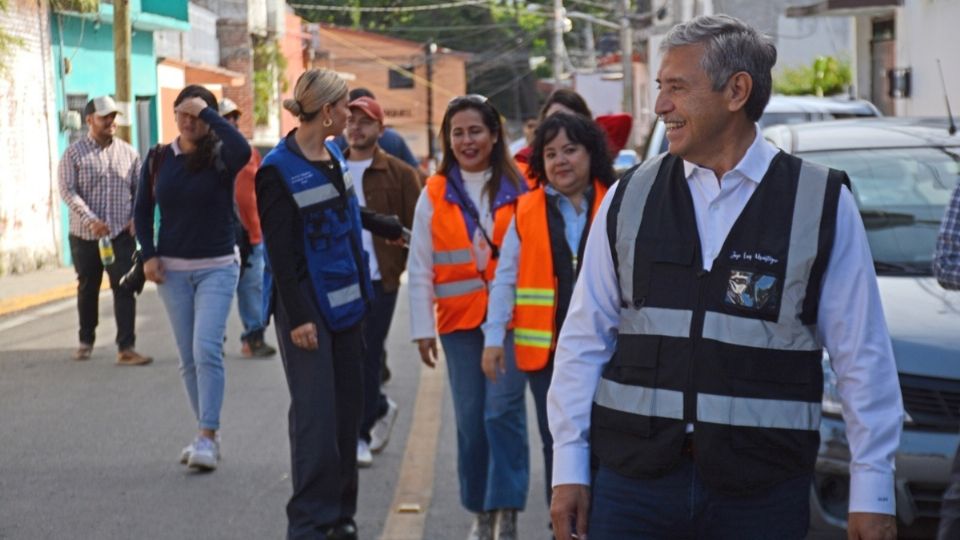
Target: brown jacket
<point>390,187</point>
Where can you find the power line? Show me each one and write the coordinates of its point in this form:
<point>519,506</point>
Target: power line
<point>351,9</point>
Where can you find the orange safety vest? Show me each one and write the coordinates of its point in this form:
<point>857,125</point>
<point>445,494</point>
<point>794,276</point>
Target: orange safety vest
<point>524,169</point>
<point>460,290</point>
<point>534,315</point>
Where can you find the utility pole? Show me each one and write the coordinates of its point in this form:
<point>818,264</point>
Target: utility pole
<point>429,49</point>
<point>626,52</point>
<point>558,19</point>
<point>121,62</point>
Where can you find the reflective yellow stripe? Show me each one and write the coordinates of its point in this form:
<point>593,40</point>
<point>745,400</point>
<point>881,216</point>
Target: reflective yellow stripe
<point>533,338</point>
<point>535,297</point>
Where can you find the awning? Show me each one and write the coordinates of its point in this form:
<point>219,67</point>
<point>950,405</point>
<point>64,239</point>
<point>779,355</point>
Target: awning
<point>844,8</point>
<point>204,73</point>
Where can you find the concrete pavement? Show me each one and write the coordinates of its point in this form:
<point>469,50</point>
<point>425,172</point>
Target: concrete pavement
<point>89,449</point>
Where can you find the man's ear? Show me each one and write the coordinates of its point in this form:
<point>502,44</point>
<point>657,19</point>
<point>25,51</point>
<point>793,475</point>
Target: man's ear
<point>88,120</point>
<point>738,90</point>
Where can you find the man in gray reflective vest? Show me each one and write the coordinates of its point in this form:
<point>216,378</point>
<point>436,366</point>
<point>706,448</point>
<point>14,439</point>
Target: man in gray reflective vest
<point>690,366</point>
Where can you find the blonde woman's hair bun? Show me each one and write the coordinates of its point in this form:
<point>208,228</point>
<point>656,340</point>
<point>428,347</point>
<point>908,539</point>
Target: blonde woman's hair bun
<point>293,106</point>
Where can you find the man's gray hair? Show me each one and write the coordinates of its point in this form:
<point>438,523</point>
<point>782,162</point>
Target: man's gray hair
<point>731,45</point>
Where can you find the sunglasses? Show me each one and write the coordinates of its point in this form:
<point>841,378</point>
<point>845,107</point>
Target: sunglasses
<point>477,99</point>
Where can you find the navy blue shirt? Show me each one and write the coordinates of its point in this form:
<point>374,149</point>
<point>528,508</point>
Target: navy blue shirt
<point>196,208</point>
<point>390,142</point>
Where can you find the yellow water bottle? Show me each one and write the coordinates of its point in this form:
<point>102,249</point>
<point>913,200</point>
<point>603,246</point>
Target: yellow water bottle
<point>106,251</point>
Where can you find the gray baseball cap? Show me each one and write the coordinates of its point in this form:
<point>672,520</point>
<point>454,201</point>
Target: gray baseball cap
<point>101,106</point>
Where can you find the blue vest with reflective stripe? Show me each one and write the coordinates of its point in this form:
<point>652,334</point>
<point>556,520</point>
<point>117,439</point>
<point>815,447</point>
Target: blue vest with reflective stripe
<point>339,271</point>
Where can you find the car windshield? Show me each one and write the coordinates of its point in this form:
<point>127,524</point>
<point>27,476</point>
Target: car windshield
<point>902,194</point>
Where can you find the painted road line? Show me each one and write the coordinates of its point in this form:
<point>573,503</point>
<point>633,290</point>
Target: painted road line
<point>414,491</point>
<point>45,311</point>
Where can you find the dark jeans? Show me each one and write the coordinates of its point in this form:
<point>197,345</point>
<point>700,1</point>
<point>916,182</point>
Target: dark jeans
<point>539,384</point>
<point>950,508</point>
<point>375,329</point>
<point>325,400</point>
<point>678,505</point>
<point>86,261</point>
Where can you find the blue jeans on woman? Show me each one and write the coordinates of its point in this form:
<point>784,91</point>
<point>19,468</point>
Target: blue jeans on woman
<point>198,304</point>
<point>250,295</point>
<point>493,459</point>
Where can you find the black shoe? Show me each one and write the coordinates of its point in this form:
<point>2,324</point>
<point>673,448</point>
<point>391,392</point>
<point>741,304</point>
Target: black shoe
<point>345,530</point>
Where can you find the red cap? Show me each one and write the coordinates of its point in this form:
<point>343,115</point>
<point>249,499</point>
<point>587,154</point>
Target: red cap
<point>369,107</point>
<point>617,127</point>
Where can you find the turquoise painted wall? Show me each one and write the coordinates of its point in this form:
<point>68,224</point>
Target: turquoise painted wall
<point>90,50</point>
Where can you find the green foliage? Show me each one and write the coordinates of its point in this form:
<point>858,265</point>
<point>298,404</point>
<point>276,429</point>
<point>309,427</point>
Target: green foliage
<point>75,6</point>
<point>269,75</point>
<point>7,43</point>
<point>825,76</point>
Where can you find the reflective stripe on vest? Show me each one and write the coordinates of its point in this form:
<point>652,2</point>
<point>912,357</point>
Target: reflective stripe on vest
<point>654,321</point>
<point>535,297</point>
<point>714,409</point>
<point>758,413</point>
<point>345,295</point>
<point>807,213</point>
<point>316,195</point>
<point>458,288</point>
<point>542,339</point>
<point>455,256</point>
<point>628,223</point>
<point>640,400</point>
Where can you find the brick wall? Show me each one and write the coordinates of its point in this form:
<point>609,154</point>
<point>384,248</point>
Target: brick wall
<point>29,199</point>
<point>236,53</point>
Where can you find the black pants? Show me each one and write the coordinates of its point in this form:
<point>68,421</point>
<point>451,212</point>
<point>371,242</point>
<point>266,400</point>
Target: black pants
<point>86,261</point>
<point>326,389</point>
<point>375,329</point>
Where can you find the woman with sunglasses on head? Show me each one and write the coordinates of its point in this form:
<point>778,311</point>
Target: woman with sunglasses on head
<point>542,248</point>
<point>311,225</point>
<point>195,261</point>
<point>459,222</point>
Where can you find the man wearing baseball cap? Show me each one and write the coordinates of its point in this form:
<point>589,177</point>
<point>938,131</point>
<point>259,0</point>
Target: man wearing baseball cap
<point>250,286</point>
<point>387,186</point>
<point>98,180</point>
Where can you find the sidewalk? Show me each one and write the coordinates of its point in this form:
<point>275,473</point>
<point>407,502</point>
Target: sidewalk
<point>23,291</point>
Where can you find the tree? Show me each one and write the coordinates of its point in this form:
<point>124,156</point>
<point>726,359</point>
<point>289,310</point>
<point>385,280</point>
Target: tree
<point>7,43</point>
<point>825,76</point>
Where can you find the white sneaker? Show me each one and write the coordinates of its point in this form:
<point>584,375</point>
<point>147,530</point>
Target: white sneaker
<point>364,457</point>
<point>185,453</point>
<point>205,455</point>
<point>380,434</point>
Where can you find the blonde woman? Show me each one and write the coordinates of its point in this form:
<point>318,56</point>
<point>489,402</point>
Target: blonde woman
<point>321,287</point>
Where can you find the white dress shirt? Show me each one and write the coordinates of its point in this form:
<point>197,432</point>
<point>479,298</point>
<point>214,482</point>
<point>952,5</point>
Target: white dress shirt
<point>850,324</point>
<point>420,257</point>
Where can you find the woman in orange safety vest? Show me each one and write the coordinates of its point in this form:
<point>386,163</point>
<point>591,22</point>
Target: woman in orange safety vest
<point>539,261</point>
<point>458,226</point>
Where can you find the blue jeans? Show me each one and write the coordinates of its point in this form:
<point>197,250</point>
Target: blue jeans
<point>678,505</point>
<point>375,329</point>
<point>539,384</point>
<point>493,459</point>
<point>250,295</point>
<point>198,303</point>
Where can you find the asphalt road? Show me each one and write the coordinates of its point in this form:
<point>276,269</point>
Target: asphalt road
<point>90,449</point>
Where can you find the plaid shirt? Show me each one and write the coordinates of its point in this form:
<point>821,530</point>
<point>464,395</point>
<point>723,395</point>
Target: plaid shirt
<point>946,264</point>
<point>99,184</point>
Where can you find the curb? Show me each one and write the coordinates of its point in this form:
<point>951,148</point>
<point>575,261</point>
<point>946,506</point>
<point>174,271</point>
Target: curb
<point>31,300</point>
